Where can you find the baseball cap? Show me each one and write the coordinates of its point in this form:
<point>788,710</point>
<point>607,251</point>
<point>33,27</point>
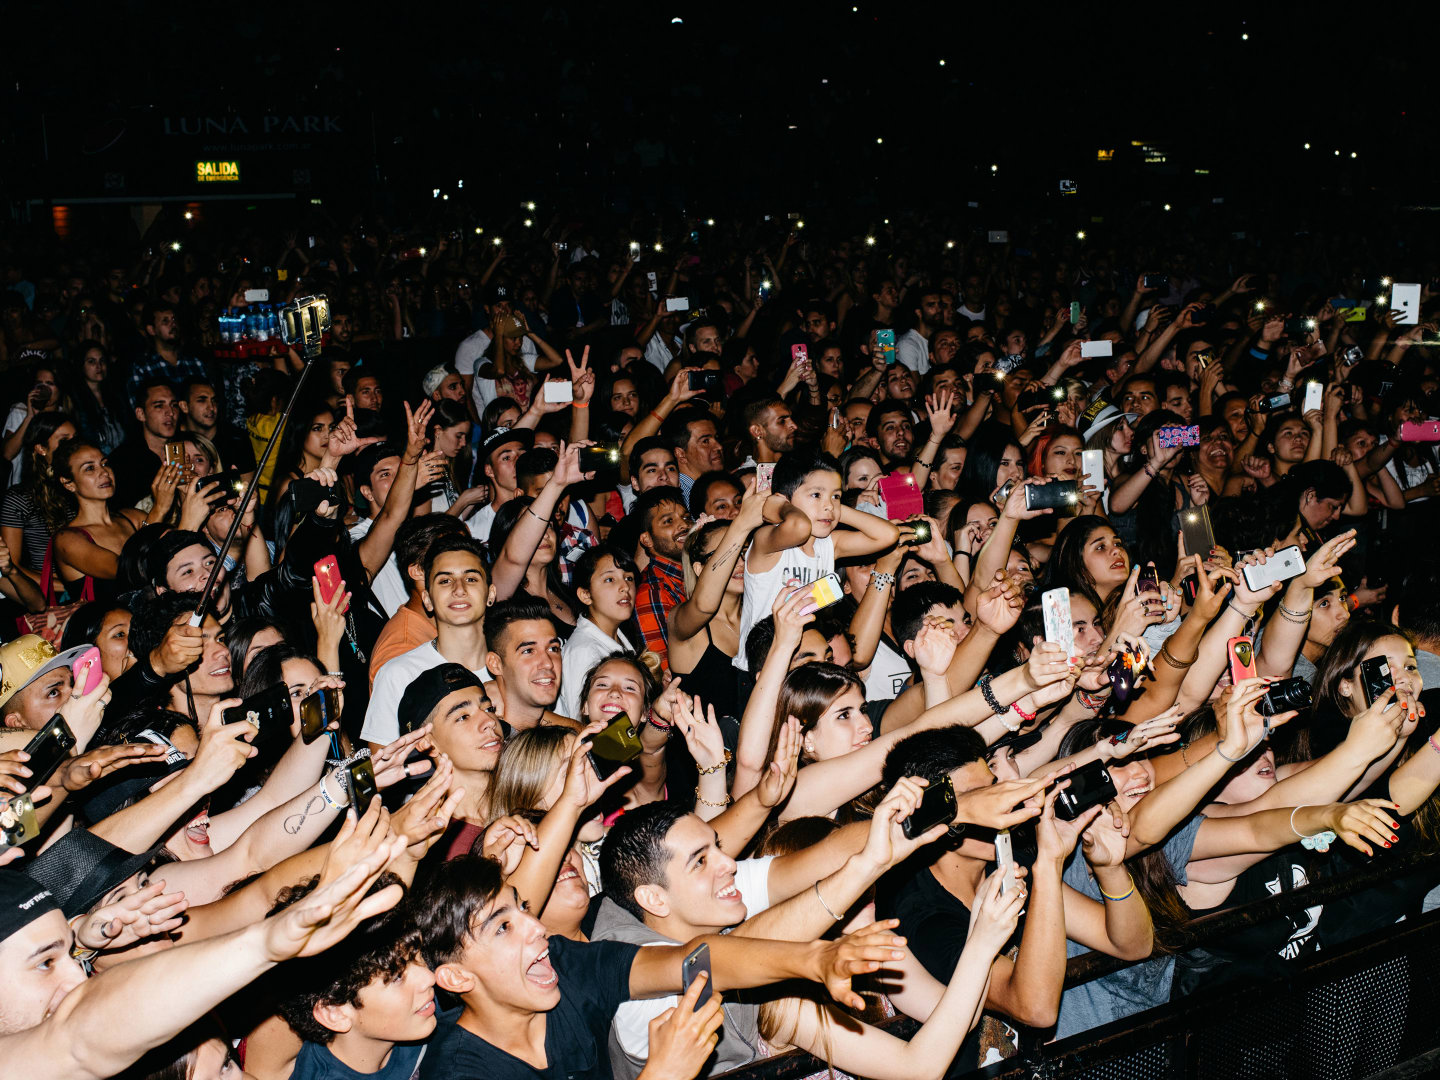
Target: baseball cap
<point>22,901</point>
<point>29,656</point>
<point>494,294</point>
<point>1106,417</point>
<point>433,378</point>
<point>429,689</point>
<point>500,436</point>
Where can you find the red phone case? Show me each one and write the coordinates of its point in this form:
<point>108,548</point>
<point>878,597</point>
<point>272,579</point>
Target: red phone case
<point>327,570</point>
<point>902,496</point>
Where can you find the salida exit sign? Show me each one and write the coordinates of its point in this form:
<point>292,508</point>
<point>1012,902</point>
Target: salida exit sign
<point>212,172</point>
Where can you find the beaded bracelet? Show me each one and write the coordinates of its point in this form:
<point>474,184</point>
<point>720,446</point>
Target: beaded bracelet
<point>1433,744</point>
<point>1027,717</point>
<point>989,696</point>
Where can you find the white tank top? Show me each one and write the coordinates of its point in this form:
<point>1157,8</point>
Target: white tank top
<point>793,567</point>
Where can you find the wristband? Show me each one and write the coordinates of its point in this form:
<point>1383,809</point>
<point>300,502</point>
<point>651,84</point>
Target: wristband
<point>325,793</point>
<point>1122,896</point>
<point>1169,657</point>
<point>881,580</point>
<point>989,696</point>
<point>580,404</point>
<point>1243,755</point>
<point>1094,704</point>
<point>658,418</point>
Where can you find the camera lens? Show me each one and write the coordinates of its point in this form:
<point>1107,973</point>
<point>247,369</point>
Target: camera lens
<point>922,532</point>
<point>1285,695</point>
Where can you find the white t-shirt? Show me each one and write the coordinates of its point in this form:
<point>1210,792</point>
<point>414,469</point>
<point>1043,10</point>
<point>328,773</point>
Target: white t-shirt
<point>973,316</point>
<point>913,351</point>
<point>13,421</point>
<point>388,586</point>
<point>1407,476</point>
<point>632,1020</point>
<point>382,720</point>
<point>585,648</point>
<point>889,674</point>
<point>793,567</point>
<point>468,358</point>
<point>480,522</point>
<point>657,354</point>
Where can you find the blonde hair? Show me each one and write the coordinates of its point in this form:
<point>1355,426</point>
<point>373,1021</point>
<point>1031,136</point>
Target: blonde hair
<point>527,768</point>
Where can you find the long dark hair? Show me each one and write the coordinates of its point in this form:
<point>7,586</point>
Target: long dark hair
<point>505,520</point>
<point>807,692</point>
<point>1332,713</point>
<point>982,461</point>
<point>1153,875</point>
<point>41,428</point>
<point>1066,568</point>
<point>290,452</point>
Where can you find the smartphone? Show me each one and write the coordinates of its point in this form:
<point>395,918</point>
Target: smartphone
<point>175,454</point>
<point>559,392</point>
<point>1188,435</point>
<point>327,572</point>
<point>1090,785</point>
<point>1074,312</point>
<point>827,590</point>
<point>1420,431</point>
<point>1196,529</point>
<point>1314,396</point>
<point>937,807</point>
<point>1154,281</point>
<point>1148,581</point>
<point>50,746</point>
<point>599,459</point>
<point>676,303</point>
<point>764,477</point>
<point>1405,299</point>
<point>17,821</point>
<point>1055,607</point>
<point>1282,566</point>
<point>707,382</point>
<point>360,783</point>
<point>885,342</point>
<point>1204,358</point>
<point>92,677</point>
<point>268,710</point>
<point>617,744</point>
<point>799,354</point>
<point>316,712</point>
<point>262,296</point>
<point>1375,678</point>
<point>1097,348</point>
<point>1054,495</point>
<point>1274,401</point>
<point>901,496</point>
<point>998,236</point>
<point>1092,468</point>
<point>697,962</point>
<point>1004,858</point>
<point>1242,658</point>
<point>1299,326</point>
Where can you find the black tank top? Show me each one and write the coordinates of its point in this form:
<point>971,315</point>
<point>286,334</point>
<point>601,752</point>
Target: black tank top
<point>713,679</point>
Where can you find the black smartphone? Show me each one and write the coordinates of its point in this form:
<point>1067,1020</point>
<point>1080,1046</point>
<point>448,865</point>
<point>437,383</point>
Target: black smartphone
<point>599,459</point>
<point>937,807</point>
<point>617,745</point>
<point>693,965</point>
<point>316,712</point>
<point>1154,281</point>
<point>1273,402</point>
<point>707,382</point>
<point>1056,495</point>
<point>50,746</point>
<point>1375,678</point>
<point>1199,534</point>
<point>1090,785</point>
<point>1299,326</point>
<point>309,494</point>
<point>360,783</point>
<point>267,711</point>
<point>229,481</point>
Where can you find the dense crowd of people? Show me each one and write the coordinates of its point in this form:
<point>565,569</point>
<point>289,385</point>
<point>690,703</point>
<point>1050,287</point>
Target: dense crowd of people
<point>644,655</point>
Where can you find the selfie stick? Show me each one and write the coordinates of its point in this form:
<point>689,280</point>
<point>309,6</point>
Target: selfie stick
<point>303,324</point>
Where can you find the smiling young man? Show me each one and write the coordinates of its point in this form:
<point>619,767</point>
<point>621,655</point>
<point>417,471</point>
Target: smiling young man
<point>523,654</point>
<point>889,424</point>
<point>455,593</point>
<point>664,525</point>
<point>535,1006</point>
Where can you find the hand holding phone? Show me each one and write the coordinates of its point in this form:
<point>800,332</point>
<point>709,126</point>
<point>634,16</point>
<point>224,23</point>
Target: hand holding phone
<point>937,806</point>
<point>1055,608</point>
<point>327,574</point>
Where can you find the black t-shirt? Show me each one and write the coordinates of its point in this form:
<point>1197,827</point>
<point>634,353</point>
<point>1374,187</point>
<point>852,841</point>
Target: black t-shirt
<point>134,465</point>
<point>594,980</point>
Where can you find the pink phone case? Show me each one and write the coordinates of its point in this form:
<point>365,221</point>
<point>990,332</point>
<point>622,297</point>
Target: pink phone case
<point>902,496</point>
<point>93,676</point>
<point>1420,431</point>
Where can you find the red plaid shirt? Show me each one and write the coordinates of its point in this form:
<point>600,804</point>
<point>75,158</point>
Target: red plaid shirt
<point>661,590</point>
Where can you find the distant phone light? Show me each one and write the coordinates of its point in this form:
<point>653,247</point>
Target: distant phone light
<point>1080,235</point>
<point>189,216</point>
<point>529,222</point>
<point>994,168</point>
<point>1167,206</point>
<point>710,221</point>
<point>445,197</point>
<point>530,206</point>
<point>478,230</point>
<point>677,21</point>
<point>879,141</point>
<point>1385,281</point>
<point>435,193</point>
<point>459,185</point>
<point>870,241</point>
<point>1307,146</point>
<point>1352,153</point>
<point>949,244</point>
<point>659,246</point>
<point>175,246</point>
<point>422,253</point>
<point>764,284</point>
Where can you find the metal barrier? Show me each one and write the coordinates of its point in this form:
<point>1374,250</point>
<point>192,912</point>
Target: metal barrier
<point>1371,1007</point>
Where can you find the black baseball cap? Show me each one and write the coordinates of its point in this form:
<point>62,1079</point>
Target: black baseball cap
<point>500,436</point>
<point>429,689</point>
<point>22,901</point>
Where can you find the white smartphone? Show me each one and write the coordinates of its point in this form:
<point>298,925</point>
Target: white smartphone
<point>1314,395</point>
<point>1004,859</point>
<point>1405,299</point>
<point>1097,348</point>
<point>764,472</point>
<point>257,296</point>
<point>999,236</point>
<point>559,392</point>
<point>677,303</point>
<point>1282,566</point>
<point>1092,468</point>
<point>1055,605</point>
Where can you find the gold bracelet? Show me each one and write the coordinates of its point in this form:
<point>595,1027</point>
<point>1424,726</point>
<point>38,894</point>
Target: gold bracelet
<point>706,802</point>
<point>714,768</point>
<point>1169,657</point>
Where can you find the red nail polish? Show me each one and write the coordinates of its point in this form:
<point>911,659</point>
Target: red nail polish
<point>1387,843</point>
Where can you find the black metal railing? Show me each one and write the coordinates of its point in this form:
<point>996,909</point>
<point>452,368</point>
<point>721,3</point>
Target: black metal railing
<point>1370,1007</point>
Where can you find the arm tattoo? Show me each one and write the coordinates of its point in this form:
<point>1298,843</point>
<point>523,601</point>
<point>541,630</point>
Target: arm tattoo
<point>295,822</point>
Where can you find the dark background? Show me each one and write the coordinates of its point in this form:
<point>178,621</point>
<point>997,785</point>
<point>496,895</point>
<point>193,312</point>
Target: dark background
<point>758,108</point>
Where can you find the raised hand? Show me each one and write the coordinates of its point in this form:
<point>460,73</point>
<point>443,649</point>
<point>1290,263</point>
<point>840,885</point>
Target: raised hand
<point>77,773</point>
<point>417,423</point>
<point>1157,731</point>
<point>133,917</point>
<point>858,953</point>
<point>1002,804</point>
<point>582,379</point>
<point>998,608</point>
<point>506,839</point>
<point>702,734</point>
<point>994,915</point>
<point>344,437</point>
<point>940,409</point>
<point>779,776</point>
<point>389,761</point>
<point>424,819</point>
<point>1324,563</point>
<point>886,843</point>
